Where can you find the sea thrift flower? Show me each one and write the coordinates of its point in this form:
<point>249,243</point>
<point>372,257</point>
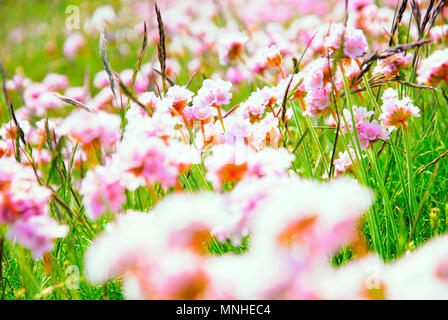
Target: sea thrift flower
<point>243,203</point>
<point>37,234</point>
<point>370,132</point>
<point>228,163</point>
<point>438,33</point>
<point>153,159</point>
<point>273,56</point>
<point>258,102</point>
<point>102,101</point>
<point>201,110</point>
<point>344,162</point>
<point>355,43</point>
<point>76,93</point>
<point>101,80</point>
<point>236,75</point>
<point>89,127</point>
<point>216,92</point>
<point>141,82</point>
<point>133,239</point>
<point>264,133</point>
<point>32,94</point>
<point>24,208</point>
<point>55,81</point>
<point>73,44</point>
<point>316,74</point>
<point>434,69</point>
<point>180,96</point>
<point>270,162</point>
<point>21,197</point>
<point>102,191</point>
<point>187,220</point>
<point>102,15</point>
<point>150,100</point>
<point>420,275</point>
<point>230,47</point>
<point>160,125</point>
<point>159,255</point>
<point>257,64</point>
<point>306,222</point>
<point>390,66</point>
<point>360,115</point>
<point>396,112</point>
<point>317,101</point>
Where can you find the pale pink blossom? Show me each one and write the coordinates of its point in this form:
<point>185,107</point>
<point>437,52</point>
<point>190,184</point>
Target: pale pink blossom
<point>102,191</point>
<point>73,44</point>
<point>37,234</point>
<point>396,111</point>
<point>434,69</point>
<point>87,127</point>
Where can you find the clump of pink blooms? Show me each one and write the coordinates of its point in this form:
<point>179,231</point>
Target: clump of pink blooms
<point>154,251</point>
<point>397,111</point>
<point>87,128</point>
<point>73,44</point>
<point>434,69</point>
<point>160,255</point>
<point>392,65</point>
<point>359,119</point>
<point>352,40</point>
<point>24,209</point>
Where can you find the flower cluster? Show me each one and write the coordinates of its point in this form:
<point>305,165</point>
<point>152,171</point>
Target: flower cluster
<point>396,111</point>
<point>434,69</point>
<point>24,208</point>
<point>161,254</point>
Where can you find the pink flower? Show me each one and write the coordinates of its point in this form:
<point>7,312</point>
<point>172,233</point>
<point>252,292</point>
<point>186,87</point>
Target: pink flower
<point>21,197</point>
<point>55,81</point>
<point>150,100</point>
<point>307,225</point>
<point>434,69</point>
<point>317,101</point>
<point>235,75</point>
<point>150,160</point>
<point>344,162</point>
<point>37,234</point>
<point>201,110</point>
<point>316,74</point>
<point>396,112</point>
<point>87,127</point>
<point>438,33</point>
<point>359,113</point>
<point>102,191</point>
<point>230,47</point>
<point>272,56</point>
<point>141,82</point>
<point>216,92</point>
<point>258,102</point>
<point>102,100</point>
<point>73,44</point>
<point>370,132</point>
<point>390,66</point>
<point>76,93</point>
<point>228,163</point>
<point>355,43</point>
<point>180,96</point>
<point>101,79</point>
